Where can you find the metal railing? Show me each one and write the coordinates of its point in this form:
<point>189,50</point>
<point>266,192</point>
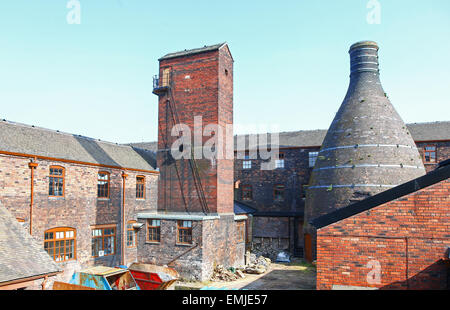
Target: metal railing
<point>160,82</point>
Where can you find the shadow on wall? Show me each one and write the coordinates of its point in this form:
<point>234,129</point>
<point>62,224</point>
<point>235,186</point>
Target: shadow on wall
<point>434,277</point>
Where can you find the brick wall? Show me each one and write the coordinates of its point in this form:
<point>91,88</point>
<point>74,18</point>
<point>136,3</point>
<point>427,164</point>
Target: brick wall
<point>200,87</point>
<point>442,152</point>
<point>79,208</point>
<point>214,242</point>
<point>408,237</point>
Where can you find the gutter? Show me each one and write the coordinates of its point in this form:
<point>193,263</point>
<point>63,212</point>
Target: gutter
<point>75,162</point>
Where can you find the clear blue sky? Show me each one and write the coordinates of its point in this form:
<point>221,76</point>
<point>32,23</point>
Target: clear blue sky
<point>291,60</point>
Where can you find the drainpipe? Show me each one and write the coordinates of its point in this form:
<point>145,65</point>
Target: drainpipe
<point>32,165</point>
<point>124,176</point>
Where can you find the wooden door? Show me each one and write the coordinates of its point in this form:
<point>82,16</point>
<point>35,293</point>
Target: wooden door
<point>308,248</point>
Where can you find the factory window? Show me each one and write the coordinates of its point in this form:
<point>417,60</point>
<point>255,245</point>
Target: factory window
<point>184,232</point>
<point>279,163</point>
<point>278,192</point>
<point>247,193</point>
<point>60,243</point>
<point>140,187</point>
<point>240,231</point>
<point>429,153</point>
<point>247,163</point>
<point>312,158</point>
<point>131,234</point>
<point>103,241</point>
<point>154,230</point>
<point>103,185</point>
<point>56,181</point>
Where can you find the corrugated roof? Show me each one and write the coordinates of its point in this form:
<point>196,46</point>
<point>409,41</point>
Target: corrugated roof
<point>21,256</point>
<point>193,51</point>
<point>26,139</point>
<point>432,131</point>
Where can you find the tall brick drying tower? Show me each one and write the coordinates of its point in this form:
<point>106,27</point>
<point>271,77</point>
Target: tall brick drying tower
<point>194,226</point>
<point>367,149</point>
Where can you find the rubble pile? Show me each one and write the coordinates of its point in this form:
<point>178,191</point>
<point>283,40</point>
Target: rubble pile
<point>220,273</point>
<point>266,250</point>
<point>257,264</point>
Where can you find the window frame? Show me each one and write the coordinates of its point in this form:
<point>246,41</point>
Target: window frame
<point>280,162</point>
<point>54,176</point>
<point>425,151</point>
<point>183,228</point>
<point>133,232</point>
<point>275,189</point>
<point>315,158</point>
<point>140,183</point>
<point>108,180</point>
<point>54,240</point>
<point>103,236</point>
<point>158,230</point>
<point>246,188</point>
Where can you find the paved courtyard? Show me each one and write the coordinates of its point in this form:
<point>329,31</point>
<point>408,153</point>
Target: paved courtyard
<point>296,275</point>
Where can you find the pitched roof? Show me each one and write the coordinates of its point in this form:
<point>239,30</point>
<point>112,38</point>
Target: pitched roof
<point>193,51</point>
<point>433,131</point>
<point>242,208</point>
<point>21,256</point>
<point>439,174</point>
<point>26,139</point>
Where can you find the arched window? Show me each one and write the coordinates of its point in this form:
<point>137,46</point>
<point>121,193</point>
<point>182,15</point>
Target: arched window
<point>131,234</point>
<point>60,243</point>
<point>56,181</point>
<point>103,185</point>
<point>140,187</point>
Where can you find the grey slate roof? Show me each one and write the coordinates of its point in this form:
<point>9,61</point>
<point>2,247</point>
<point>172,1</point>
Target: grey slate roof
<point>21,256</point>
<point>313,138</point>
<point>26,139</point>
<point>242,208</point>
<point>193,51</point>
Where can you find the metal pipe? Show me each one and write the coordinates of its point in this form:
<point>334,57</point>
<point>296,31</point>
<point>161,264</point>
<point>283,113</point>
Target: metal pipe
<point>124,176</point>
<point>32,165</point>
